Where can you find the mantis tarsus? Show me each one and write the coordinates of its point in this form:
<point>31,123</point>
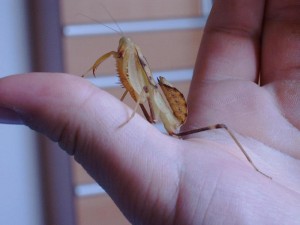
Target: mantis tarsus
<point>136,77</point>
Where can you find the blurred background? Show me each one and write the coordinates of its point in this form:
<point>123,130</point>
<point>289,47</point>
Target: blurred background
<point>40,184</point>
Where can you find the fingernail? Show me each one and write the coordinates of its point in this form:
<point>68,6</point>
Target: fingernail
<point>9,116</point>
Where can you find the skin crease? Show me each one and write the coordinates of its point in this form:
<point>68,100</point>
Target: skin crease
<point>204,179</point>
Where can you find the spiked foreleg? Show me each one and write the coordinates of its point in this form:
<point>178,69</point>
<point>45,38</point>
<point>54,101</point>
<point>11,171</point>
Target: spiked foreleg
<point>99,61</point>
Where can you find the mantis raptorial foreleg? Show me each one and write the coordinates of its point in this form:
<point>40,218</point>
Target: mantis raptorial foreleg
<point>99,61</point>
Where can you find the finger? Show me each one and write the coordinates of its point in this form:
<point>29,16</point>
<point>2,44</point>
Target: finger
<point>9,117</point>
<point>231,41</point>
<point>85,121</point>
<point>229,51</point>
<point>281,41</point>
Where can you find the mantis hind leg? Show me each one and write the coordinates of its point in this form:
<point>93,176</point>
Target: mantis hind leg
<point>218,126</point>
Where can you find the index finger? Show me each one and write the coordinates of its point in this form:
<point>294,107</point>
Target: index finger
<point>281,50</point>
<point>231,42</point>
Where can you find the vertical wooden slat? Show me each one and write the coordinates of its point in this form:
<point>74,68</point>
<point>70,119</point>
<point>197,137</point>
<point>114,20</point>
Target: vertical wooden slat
<point>99,209</point>
<point>55,164</point>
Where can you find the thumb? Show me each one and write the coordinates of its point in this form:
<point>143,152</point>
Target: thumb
<point>86,122</point>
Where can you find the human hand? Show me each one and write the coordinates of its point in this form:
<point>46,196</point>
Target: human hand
<point>156,179</point>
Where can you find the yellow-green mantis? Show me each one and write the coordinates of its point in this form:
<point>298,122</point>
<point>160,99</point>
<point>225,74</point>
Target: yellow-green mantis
<point>136,77</point>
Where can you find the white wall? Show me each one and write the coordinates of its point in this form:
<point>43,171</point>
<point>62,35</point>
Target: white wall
<point>20,201</point>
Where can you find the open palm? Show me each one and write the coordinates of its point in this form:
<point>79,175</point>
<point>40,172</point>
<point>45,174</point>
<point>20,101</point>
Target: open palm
<point>204,179</point>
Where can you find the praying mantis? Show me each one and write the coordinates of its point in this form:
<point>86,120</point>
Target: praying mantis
<point>170,107</point>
